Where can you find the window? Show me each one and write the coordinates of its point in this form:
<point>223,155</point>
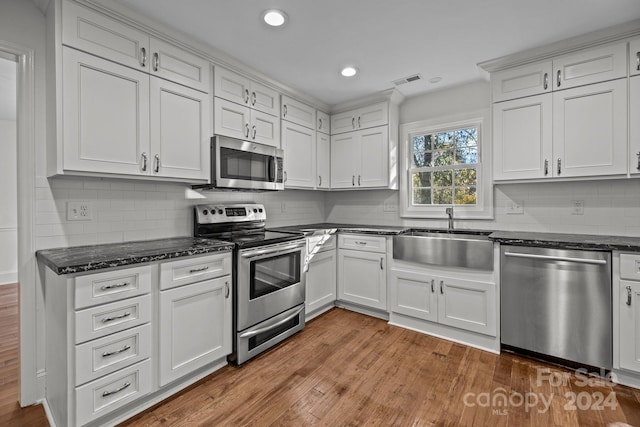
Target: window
<point>446,164</point>
<point>444,167</point>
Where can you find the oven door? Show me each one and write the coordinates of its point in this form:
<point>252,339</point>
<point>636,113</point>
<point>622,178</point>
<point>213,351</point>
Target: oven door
<point>264,335</point>
<point>270,281</point>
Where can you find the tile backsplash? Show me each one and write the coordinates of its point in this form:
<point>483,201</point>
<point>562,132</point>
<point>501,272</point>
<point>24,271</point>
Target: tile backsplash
<point>124,210</point>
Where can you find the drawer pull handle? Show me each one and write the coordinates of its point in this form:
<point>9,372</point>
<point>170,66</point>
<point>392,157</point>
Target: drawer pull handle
<point>559,166</point>
<point>111,319</point>
<point>197,270</point>
<point>115,286</point>
<point>628,295</point>
<point>353,180</point>
<point>357,242</point>
<point>253,98</point>
<point>118,390</point>
<point>432,290</point>
<point>284,110</point>
<point>246,96</point>
<point>111,353</point>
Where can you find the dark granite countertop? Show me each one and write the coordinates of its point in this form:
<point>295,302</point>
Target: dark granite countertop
<point>309,229</point>
<point>567,241</point>
<point>80,259</point>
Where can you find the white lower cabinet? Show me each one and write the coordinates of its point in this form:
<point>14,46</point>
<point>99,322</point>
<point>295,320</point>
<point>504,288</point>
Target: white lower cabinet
<point>195,327</point>
<point>321,276</point>
<point>626,312</point>
<point>362,274</point>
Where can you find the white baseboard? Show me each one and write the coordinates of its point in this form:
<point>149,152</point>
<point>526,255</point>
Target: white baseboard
<point>8,277</point>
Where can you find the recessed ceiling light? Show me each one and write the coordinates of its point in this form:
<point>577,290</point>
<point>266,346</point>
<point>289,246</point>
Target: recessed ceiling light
<point>274,17</point>
<point>349,71</point>
<point>435,79</point>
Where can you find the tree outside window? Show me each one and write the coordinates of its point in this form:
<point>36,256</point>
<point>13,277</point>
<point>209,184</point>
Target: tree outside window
<point>444,167</point>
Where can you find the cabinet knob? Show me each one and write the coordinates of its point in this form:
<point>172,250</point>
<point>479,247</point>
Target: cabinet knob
<point>628,295</point>
<point>558,77</point>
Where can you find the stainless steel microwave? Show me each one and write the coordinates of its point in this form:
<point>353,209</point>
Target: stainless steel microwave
<point>245,165</point>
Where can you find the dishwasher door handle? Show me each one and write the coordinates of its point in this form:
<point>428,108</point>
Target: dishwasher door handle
<point>556,258</point>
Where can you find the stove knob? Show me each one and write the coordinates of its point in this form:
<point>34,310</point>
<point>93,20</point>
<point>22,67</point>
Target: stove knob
<point>206,212</point>
<point>260,210</point>
<point>213,211</point>
<point>220,211</point>
<point>255,211</point>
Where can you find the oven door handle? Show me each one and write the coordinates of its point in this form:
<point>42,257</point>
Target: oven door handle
<point>272,250</point>
<point>250,334</point>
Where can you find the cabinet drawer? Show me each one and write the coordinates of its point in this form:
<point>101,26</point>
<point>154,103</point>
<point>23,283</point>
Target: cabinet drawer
<point>630,266</point>
<point>102,396</point>
<point>362,242</point>
<point>106,319</point>
<point>108,354</point>
<point>100,288</point>
<point>191,270</point>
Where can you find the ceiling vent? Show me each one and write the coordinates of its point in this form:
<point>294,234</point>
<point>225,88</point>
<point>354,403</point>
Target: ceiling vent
<point>408,79</point>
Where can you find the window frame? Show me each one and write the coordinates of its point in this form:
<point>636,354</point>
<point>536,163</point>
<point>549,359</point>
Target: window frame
<point>483,209</point>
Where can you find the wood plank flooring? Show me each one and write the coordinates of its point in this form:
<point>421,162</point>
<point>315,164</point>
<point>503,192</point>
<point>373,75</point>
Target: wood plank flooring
<point>10,412</point>
<point>347,369</point>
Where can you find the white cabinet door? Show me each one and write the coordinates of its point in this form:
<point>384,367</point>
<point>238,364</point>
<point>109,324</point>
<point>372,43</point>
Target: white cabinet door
<point>629,306</point>
<point>362,278</point>
<point>323,122</point>
<point>345,152</point>
<point>467,305</point>
<point>105,116</point>
<point>634,57</point>
<point>195,327</point>
<point>590,66</point>
<point>265,99</point>
<point>343,122</point>
<point>173,63</point>
<point>179,131</point>
<point>299,113</point>
<point>634,125</point>
<point>590,130</point>
<point>374,157</point>
<point>527,80</point>
<point>299,145</point>
<point>522,138</point>
<point>265,129</point>
<point>231,86</point>
<point>102,36</point>
<point>413,294</point>
<point>231,119</point>
<point>323,160</point>
<point>373,116</point>
<point>321,281</point>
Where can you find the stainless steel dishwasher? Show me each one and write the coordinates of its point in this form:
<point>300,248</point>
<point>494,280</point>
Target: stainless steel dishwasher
<point>557,302</point>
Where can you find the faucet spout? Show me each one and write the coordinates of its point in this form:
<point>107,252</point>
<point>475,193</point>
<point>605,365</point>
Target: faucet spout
<point>449,212</point>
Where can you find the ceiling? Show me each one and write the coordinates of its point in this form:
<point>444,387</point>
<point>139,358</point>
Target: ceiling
<point>385,39</point>
<point>7,89</point>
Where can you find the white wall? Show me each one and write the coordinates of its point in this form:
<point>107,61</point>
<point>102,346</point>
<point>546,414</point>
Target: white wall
<point>610,206</point>
<point>8,203</point>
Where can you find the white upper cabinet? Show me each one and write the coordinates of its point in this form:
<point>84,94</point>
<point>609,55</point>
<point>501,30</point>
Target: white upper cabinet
<point>590,130</point>
<point>522,138</point>
<point>323,160</point>
<point>299,145</point>
<point>590,66</point>
<point>323,122</point>
<point>238,121</point>
<point>634,57</point>
<point>100,35</point>
<point>362,118</point>
<point>360,159</point>
<point>242,90</point>
<point>106,116</point>
<point>179,131</point>
<point>299,113</point>
<point>530,79</point>
<point>634,125</point>
<point>345,149</point>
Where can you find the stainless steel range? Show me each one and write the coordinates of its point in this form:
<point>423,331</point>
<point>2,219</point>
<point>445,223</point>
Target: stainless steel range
<point>268,275</point>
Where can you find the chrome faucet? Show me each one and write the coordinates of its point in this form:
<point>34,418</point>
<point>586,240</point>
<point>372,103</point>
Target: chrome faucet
<point>449,212</point>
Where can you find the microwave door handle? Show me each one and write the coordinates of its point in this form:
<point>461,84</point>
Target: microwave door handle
<point>272,168</point>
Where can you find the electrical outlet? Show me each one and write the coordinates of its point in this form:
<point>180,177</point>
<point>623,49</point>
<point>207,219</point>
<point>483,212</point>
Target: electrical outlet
<point>79,211</point>
<point>514,207</point>
<point>577,207</point>
<point>390,207</point>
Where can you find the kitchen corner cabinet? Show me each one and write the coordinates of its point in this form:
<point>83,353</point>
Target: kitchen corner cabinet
<point>323,121</point>
<point>323,160</point>
<point>360,159</point>
<point>238,121</point>
<point>296,112</point>
<point>634,124</point>
<point>362,275</point>
<point>361,118</point>
<point>321,284</point>
<point>299,145</point>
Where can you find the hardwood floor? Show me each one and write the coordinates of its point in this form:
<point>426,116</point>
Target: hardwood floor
<point>10,412</point>
<point>347,369</point>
